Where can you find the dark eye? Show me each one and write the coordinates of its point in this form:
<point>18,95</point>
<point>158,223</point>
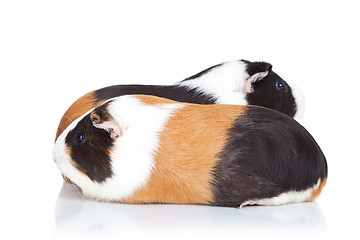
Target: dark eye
<point>280,86</point>
<point>81,137</point>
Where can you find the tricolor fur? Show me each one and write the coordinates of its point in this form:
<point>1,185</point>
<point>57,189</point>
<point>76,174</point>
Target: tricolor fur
<point>234,82</point>
<point>145,149</point>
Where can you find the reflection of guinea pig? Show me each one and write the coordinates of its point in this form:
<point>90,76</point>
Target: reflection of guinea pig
<point>146,149</point>
<point>234,82</point>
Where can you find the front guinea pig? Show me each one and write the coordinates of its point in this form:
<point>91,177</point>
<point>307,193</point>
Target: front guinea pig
<point>145,149</point>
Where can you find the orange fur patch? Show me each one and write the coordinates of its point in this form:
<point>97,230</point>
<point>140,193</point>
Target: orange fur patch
<point>77,109</point>
<point>187,154</point>
<point>152,100</point>
<point>317,192</point>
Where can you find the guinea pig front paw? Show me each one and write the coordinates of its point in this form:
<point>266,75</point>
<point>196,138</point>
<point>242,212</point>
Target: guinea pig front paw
<point>100,199</point>
<point>66,179</point>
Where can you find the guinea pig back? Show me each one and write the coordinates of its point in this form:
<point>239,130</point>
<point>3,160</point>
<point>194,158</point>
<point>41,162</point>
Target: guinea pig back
<point>146,149</point>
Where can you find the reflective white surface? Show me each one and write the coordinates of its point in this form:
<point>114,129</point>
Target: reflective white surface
<point>76,215</point>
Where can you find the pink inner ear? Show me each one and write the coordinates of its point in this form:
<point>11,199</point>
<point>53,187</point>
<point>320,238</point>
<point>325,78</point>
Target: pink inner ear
<point>114,133</point>
<point>111,126</point>
<point>248,88</point>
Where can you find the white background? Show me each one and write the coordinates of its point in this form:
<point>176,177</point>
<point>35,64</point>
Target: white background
<point>52,52</point>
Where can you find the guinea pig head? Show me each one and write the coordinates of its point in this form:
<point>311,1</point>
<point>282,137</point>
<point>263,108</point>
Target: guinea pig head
<point>83,151</point>
<point>265,88</point>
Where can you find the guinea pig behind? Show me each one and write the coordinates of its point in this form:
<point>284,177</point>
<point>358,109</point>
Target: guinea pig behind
<point>145,149</point>
<point>234,82</point>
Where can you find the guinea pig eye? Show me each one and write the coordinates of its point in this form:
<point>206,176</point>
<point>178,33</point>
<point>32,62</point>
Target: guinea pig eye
<point>280,86</point>
<point>81,137</point>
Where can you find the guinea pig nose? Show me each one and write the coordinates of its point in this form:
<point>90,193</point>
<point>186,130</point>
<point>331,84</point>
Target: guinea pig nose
<point>54,160</point>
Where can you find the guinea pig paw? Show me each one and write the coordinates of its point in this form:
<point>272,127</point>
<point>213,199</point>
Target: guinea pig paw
<point>66,179</point>
<point>100,199</point>
<point>249,203</point>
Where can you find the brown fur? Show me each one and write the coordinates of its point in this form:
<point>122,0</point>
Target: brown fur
<point>187,154</point>
<point>317,192</point>
<point>77,109</point>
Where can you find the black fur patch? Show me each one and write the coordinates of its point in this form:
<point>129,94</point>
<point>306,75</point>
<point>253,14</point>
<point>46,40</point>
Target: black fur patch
<point>256,67</point>
<point>176,93</point>
<point>100,114</point>
<point>266,93</point>
<point>91,156</point>
<point>267,153</point>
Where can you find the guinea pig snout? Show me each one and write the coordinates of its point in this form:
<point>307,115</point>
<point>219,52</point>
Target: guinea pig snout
<point>59,153</point>
<point>58,157</point>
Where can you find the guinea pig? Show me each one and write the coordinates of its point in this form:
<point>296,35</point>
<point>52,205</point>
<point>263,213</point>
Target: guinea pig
<point>146,149</point>
<point>235,82</point>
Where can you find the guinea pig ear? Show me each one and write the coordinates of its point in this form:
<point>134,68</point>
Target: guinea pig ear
<point>103,120</point>
<point>248,87</point>
<point>257,71</point>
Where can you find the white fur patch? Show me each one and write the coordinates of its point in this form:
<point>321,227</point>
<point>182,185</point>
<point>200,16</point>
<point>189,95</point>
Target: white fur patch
<point>225,82</point>
<point>284,198</point>
<point>299,100</point>
<point>132,156</point>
